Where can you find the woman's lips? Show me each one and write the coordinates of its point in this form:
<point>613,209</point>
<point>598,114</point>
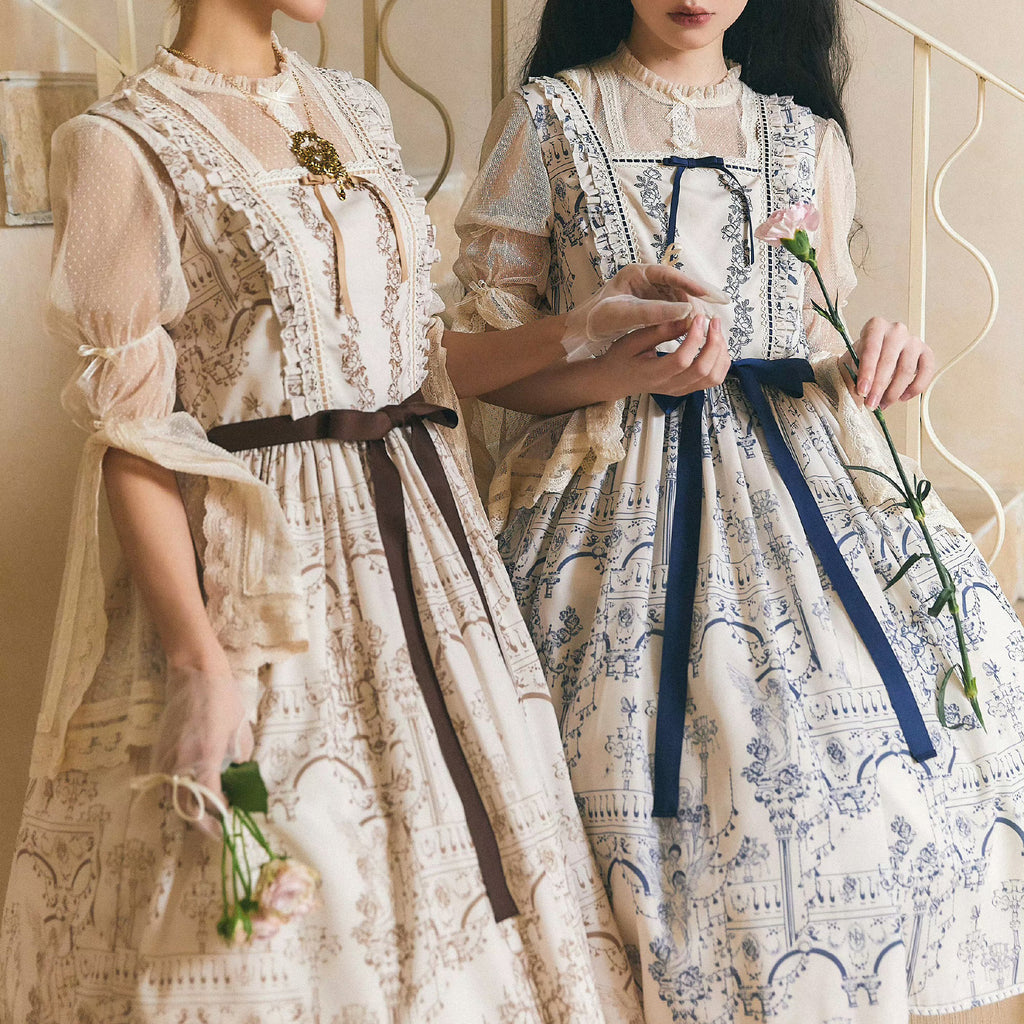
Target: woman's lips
<point>691,18</point>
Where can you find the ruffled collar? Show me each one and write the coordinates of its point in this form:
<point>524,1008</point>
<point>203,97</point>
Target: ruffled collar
<point>272,86</point>
<point>723,91</point>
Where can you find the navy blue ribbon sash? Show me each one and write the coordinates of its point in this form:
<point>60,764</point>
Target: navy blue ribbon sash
<point>682,163</point>
<point>789,376</point>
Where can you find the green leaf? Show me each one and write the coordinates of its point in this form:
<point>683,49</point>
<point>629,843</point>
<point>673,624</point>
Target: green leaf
<point>822,312</point>
<point>940,602</point>
<point>877,472</point>
<point>924,488</point>
<point>244,787</point>
<point>911,561</point>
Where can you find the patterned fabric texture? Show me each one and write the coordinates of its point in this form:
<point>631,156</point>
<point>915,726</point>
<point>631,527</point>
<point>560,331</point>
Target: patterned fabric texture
<point>815,872</point>
<point>198,275</point>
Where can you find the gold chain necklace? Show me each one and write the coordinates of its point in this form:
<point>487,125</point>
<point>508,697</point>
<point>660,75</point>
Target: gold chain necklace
<point>311,150</point>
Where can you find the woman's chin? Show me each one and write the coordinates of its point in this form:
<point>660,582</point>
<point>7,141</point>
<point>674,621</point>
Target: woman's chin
<point>302,10</point>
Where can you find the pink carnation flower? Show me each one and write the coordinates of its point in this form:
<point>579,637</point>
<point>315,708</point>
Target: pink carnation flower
<point>287,888</point>
<point>783,225</point>
<point>266,924</point>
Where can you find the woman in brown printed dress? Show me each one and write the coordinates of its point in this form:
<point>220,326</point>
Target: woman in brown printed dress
<point>244,268</point>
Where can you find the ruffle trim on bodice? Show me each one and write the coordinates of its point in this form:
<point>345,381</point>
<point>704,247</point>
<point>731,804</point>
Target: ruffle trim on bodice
<point>368,116</point>
<point>215,80</point>
<point>611,233</point>
<point>790,164</point>
<point>203,180</point>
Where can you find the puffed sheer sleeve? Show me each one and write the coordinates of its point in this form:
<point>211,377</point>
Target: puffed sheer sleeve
<point>504,227</point>
<point>116,288</point>
<point>116,278</point>
<point>836,197</point>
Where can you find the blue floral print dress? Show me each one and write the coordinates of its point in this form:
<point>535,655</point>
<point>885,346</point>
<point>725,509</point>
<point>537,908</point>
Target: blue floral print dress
<point>814,869</point>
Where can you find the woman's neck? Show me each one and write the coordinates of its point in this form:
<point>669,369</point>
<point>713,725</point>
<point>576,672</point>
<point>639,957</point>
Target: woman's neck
<point>231,36</point>
<point>699,67</point>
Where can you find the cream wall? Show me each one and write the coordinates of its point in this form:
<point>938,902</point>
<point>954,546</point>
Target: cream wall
<point>980,410</point>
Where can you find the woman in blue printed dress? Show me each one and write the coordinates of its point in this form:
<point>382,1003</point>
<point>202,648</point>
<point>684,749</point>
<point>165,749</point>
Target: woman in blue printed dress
<point>785,830</point>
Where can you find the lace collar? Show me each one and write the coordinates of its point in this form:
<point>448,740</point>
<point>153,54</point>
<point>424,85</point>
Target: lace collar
<point>270,86</point>
<point>718,93</point>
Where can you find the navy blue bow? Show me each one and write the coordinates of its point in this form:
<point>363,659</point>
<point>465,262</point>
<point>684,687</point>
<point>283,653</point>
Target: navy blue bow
<point>789,376</point>
<point>682,163</point>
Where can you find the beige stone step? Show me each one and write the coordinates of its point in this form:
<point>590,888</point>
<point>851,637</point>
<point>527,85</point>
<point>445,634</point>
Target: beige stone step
<point>1011,1011</point>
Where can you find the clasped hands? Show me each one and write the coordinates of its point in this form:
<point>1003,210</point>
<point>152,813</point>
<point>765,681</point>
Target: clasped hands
<point>663,304</point>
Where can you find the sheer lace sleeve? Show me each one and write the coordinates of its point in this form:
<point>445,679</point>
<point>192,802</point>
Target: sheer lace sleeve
<point>116,273</point>
<point>836,198</point>
<point>504,226</point>
<point>117,285</point>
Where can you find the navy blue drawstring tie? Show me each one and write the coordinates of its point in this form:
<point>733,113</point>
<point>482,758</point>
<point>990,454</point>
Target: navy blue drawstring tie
<point>789,376</point>
<point>682,163</point>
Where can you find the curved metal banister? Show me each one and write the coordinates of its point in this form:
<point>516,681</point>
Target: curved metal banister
<point>446,121</point>
<point>943,48</point>
<point>993,284</point>
<point>919,414</point>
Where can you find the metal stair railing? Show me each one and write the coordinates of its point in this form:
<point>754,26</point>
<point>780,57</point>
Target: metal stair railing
<point>922,198</point>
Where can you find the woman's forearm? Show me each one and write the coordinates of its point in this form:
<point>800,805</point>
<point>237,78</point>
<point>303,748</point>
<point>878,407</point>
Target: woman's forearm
<point>149,517</point>
<point>557,389</point>
<point>631,366</point>
<point>481,363</point>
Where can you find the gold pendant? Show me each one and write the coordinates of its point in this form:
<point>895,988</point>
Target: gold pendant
<point>319,156</point>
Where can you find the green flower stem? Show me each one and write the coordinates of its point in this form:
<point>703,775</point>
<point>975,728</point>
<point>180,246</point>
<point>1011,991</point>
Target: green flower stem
<point>255,831</point>
<point>223,876</point>
<point>240,839</point>
<point>913,502</point>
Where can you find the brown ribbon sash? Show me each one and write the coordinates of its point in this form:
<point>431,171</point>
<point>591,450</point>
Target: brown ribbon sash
<point>371,428</point>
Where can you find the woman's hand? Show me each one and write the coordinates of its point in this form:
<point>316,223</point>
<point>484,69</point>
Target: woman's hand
<point>203,727</point>
<point>637,297</point>
<point>894,365</point>
<point>632,367</point>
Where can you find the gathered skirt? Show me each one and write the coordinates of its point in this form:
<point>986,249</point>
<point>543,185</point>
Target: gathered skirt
<point>113,901</point>
<point>815,872</point>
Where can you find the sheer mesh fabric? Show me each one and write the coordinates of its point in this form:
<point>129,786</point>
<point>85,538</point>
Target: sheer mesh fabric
<point>246,117</point>
<point>640,112</point>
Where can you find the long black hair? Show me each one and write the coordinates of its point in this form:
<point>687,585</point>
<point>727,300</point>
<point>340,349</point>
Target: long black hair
<point>787,47</point>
